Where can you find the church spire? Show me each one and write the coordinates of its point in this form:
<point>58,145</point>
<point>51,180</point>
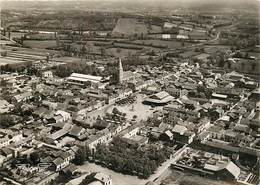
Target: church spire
<point>120,71</point>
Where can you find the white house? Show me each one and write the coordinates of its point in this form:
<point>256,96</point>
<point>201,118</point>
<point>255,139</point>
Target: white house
<point>64,115</point>
<point>166,36</point>
<point>47,74</point>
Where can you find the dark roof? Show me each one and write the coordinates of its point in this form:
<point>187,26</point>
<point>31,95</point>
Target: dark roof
<point>70,168</point>
<point>58,161</point>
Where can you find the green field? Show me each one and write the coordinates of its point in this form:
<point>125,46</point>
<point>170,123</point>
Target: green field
<point>172,44</point>
<point>40,44</point>
<point>128,26</point>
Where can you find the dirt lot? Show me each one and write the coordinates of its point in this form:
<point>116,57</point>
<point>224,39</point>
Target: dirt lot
<point>180,178</point>
<point>138,108</point>
<point>118,178</point>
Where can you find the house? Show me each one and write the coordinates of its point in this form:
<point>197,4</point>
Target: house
<point>182,134</point>
<point>103,178</point>
<point>173,91</point>
<point>47,74</point>
<point>22,97</point>
<point>224,170</point>
<point>202,57</point>
<point>7,152</point>
<point>182,37</point>
<point>82,79</point>
<point>70,169</point>
<point>101,137</point>
<point>168,25</point>
<point>166,36</point>
<point>66,156</point>
<point>8,138</point>
<point>255,94</point>
<point>202,125</point>
<point>5,107</point>
<point>78,132</point>
<point>59,164</point>
<point>62,116</point>
<point>97,178</point>
<point>216,113</point>
<point>166,136</point>
<point>219,96</point>
<point>58,134</point>
<point>131,131</point>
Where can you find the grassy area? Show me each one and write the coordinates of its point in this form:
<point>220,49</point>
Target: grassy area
<point>170,44</point>
<point>40,44</point>
<point>128,26</point>
<point>4,61</point>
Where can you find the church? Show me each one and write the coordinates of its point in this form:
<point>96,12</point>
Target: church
<point>124,76</point>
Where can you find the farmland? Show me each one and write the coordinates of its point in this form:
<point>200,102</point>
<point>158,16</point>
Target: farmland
<point>126,26</point>
<point>40,44</point>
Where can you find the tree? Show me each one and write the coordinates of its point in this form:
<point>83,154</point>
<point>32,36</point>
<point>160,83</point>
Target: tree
<point>118,50</point>
<point>6,121</point>
<point>3,83</point>
<point>102,51</point>
<point>3,53</point>
<point>82,155</point>
<point>228,65</point>
<point>116,111</point>
<point>35,158</point>
<point>253,66</point>
<point>146,171</point>
<point>246,55</point>
<point>242,66</point>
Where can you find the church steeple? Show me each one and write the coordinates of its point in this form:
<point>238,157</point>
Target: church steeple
<point>120,71</point>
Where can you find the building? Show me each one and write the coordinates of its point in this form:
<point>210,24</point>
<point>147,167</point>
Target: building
<point>124,76</point>
<point>166,36</point>
<point>47,74</point>
<point>82,79</point>
<point>5,107</point>
<point>103,178</point>
<point>209,164</point>
<point>120,71</point>
<point>159,98</point>
<point>97,178</point>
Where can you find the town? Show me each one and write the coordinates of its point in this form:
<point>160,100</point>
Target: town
<point>157,96</point>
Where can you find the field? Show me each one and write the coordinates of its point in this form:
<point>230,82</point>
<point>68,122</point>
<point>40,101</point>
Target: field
<point>40,44</point>
<point>16,35</point>
<point>214,48</point>
<point>171,44</point>
<point>128,26</point>
<point>4,61</point>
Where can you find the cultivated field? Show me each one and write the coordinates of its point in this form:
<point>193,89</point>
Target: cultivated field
<point>171,44</point>
<point>128,26</point>
<point>4,61</point>
<point>40,44</point>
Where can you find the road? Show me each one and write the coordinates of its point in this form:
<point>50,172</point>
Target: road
<point>10,39</point>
